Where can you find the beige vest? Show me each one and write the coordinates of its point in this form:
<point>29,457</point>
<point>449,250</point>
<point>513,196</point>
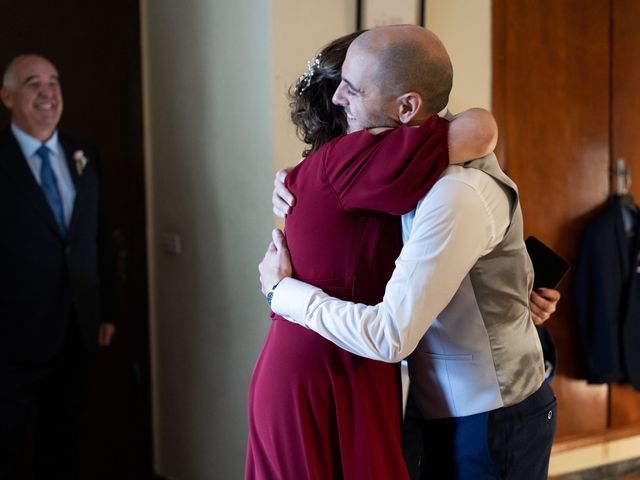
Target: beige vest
<point>498,360</point>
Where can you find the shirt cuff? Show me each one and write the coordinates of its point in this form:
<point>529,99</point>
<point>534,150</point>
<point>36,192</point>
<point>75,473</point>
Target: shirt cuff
<point>291,299</point>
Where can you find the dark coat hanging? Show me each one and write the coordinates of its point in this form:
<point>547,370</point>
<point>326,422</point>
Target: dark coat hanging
<point>607,292</point>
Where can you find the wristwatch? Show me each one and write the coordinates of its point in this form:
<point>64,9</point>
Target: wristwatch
<point>270,292</point>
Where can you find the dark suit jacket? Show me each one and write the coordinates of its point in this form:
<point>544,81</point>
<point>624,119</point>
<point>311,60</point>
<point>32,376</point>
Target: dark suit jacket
<point>607,288</point>
<point>43,276</point>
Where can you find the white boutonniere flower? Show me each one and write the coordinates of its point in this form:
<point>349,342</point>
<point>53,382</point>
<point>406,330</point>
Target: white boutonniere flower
<point>80,161</point>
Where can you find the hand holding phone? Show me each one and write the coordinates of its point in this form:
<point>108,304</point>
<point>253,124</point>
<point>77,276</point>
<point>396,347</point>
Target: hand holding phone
<point>548,267</point>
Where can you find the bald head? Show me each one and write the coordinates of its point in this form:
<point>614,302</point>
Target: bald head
<point>11,71</point>
<point>410,58</point>
<point>9,76</point>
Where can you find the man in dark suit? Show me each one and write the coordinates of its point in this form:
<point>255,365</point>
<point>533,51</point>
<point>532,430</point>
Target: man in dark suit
<point>57,280</point>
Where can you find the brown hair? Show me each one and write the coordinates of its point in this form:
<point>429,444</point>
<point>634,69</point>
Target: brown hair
<point>316,118</point>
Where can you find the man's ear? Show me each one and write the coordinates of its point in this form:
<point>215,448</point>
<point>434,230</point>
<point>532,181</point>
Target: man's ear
<point>6,97</point>
<point>409,105</point>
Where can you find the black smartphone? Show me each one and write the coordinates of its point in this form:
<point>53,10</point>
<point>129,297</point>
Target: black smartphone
<point>548,267</point>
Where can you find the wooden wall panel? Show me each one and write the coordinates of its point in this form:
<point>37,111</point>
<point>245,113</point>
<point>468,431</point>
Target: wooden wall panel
<point>551,100</point>
<point>499,74</point>
<point>625,142</point>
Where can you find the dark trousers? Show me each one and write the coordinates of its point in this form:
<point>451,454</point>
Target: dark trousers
<point>40,409</point>
<point>510,443</point>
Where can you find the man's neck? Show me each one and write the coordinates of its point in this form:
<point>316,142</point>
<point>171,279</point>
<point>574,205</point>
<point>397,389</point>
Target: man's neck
<point>42,138</point>
<point>42,135</point>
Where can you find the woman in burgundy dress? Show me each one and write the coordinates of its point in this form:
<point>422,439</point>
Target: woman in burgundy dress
<point>315,410</point>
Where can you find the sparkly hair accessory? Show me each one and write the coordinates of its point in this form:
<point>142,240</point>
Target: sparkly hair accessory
<point>305,79</point>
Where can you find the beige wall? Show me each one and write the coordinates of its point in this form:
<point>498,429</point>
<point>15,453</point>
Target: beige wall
<point>209,166</point>
<point>465,28</point>
<point>300,29</point>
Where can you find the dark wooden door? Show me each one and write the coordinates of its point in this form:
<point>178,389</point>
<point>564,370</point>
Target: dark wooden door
<point>566,96</point>
<point>552,102</point>
<point>625,143</point>
<point>96,47</point>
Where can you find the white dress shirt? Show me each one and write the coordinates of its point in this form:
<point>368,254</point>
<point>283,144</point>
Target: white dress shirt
<point>29,145</point>
<point>462,218</point>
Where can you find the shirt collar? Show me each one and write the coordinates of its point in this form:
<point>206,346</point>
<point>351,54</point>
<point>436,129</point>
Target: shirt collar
<point>29,144</point>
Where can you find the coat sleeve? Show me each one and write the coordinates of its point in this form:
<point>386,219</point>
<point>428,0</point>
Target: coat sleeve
<point>389,172</point>
<point>597,289</point>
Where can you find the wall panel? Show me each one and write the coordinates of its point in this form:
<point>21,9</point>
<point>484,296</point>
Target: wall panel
<point>625,142</point>
<point>551,100</point>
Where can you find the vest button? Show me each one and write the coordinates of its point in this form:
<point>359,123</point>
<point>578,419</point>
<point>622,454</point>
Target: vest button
<point>550,414</point>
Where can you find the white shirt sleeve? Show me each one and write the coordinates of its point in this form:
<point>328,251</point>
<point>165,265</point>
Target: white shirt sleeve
<point>461,219</point>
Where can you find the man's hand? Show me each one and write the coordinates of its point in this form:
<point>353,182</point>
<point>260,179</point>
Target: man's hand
<point>282,198</point>
<point>276,263</point>
<point>543,304</point>
<point>105,334</point>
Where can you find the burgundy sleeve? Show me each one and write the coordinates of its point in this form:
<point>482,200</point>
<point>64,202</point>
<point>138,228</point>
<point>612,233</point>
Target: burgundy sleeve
<point>389,172</point>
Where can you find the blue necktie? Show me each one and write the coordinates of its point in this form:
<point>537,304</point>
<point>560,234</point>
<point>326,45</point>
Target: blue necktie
<point>50,188</point>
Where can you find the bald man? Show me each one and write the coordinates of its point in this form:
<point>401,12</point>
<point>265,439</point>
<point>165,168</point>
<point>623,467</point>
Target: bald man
<point>458,302</point>
<point>57,281</point>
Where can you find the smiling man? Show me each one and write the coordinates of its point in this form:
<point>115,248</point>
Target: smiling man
<point>372,82</point>
<point>31,90</point>
<point>57,279</point>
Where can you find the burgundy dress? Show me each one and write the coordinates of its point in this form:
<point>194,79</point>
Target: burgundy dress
<point>317,411</point>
